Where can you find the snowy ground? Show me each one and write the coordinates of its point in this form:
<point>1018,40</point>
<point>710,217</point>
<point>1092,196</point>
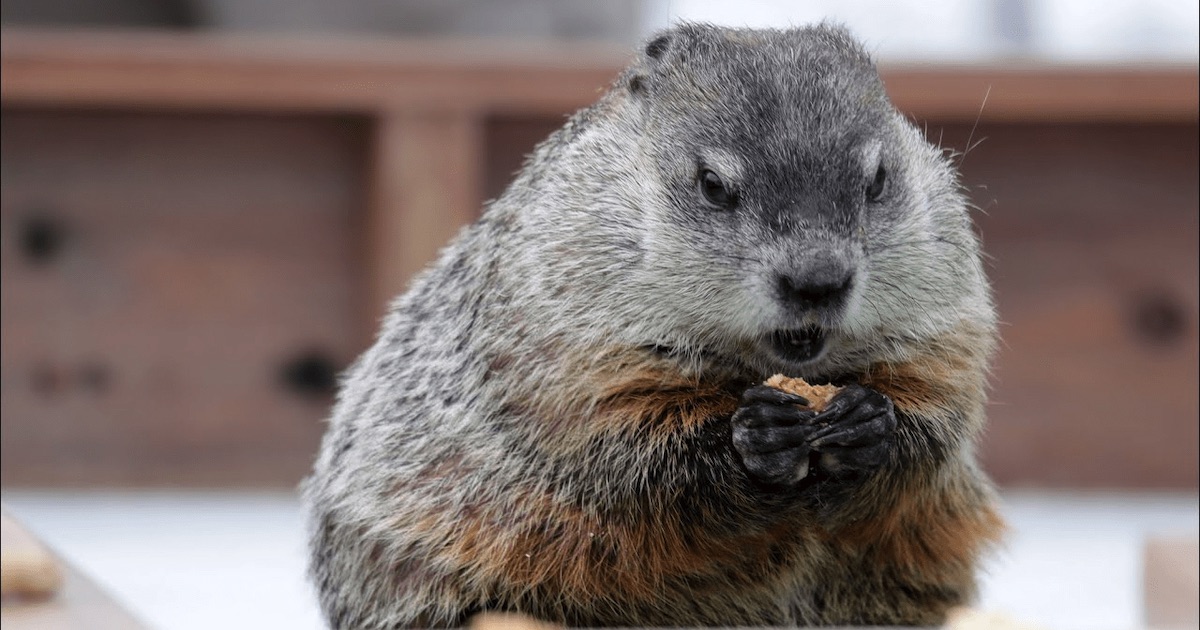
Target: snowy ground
<point>184,561</point>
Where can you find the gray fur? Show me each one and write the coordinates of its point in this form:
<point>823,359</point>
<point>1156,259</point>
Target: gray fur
<point>601,242</point>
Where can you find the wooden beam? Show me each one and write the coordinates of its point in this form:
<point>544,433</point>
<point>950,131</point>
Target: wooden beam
<point>73,601</point>
<point>1171,581</point>
<point>1045,93</point>
<point>278,73</point>
<point>426,183</point>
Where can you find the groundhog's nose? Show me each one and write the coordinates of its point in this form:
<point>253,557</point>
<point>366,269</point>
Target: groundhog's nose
<point>816,288</point>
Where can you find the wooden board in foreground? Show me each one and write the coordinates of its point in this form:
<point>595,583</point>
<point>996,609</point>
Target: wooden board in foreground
<point>41,592</point>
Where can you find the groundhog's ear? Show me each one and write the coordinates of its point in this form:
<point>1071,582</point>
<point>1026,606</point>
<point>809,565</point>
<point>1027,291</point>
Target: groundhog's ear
<point>657,47</point>
<point>652,55</point>
<point>637,84</point>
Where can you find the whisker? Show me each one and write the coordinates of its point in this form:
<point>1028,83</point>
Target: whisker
<point>971,135</point>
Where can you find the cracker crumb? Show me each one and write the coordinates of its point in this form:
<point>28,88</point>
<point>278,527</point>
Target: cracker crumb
<point>818,395</point>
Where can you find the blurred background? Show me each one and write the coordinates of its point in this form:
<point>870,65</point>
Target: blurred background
<point>205,205</point>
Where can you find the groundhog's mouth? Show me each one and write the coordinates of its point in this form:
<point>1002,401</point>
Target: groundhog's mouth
<point>798,345</point>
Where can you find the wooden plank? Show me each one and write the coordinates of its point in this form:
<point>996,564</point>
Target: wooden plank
<point>426,184</point>
<point>83,69</point>
<point>205,267</point>
<point>27,570</point>
<point>1094,251</point>
<point>288,74</point>
<point>75,603</point>
<point>1171,581</point>
<point>1045,93</point>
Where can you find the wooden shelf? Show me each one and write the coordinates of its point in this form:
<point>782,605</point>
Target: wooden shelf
<point>160,70</point>
<point>302,75</point>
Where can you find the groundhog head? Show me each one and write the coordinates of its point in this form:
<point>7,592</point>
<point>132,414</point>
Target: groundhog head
<point>802,215</point>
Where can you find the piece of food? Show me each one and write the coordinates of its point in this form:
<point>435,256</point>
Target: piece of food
<point>818,395</point>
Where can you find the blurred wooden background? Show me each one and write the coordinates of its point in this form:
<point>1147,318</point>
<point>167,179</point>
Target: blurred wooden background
<point>199,231</point>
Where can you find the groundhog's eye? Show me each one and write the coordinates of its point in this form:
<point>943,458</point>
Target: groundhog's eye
<point>714,191</point>
<point>876,188</point>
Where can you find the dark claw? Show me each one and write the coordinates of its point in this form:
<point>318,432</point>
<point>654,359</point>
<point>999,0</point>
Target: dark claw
<point>760,440</point>
<point>779,440</point>
<point>770,395</point>
<point>863,434</point>
<point>862,425</point>
<point>850,397</point>
<point>757,415</point>
<point>856,433</point>
<point>771,432</point>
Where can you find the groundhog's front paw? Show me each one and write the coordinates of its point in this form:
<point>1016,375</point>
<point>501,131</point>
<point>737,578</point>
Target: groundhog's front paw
<point>855,434</point>
<point>771,433</point>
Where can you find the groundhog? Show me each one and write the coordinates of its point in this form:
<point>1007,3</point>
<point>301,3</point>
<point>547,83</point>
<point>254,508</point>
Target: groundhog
<point>565,415</point>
